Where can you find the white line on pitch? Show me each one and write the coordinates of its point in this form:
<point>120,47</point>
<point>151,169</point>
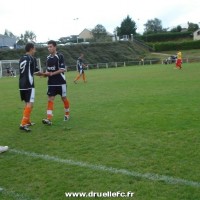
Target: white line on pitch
<point>149,176</point>
<point>13,194</point>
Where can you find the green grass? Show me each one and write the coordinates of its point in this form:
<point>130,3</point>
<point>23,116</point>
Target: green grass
<point>140,119</point>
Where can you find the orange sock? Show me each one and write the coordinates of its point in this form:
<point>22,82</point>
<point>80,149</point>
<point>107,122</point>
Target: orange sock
<point>66,106</point>
<point>26,116</point>
<point>50,110</point>
<point>78,76</point>
<point>84,78</point>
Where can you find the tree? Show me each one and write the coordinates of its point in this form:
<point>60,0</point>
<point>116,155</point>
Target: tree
<point>192,27</point>
<point>153,26</point>
<point>28,36</point>
<point>9,34</point>
<point>177,29</point>
<point>128,27</point>
<point>99,33</point>
<point>21,40</point>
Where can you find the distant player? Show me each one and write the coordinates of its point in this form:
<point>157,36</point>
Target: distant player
<point>80,68</point>
<point>179,60</point>
<point>27,68</point>
<point>8,71</point>
<point>56,82</point>
<point>12,73</point>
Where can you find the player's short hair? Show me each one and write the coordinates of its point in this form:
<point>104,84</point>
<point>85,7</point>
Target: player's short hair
<point>52,42</point>
<point>29,46</point>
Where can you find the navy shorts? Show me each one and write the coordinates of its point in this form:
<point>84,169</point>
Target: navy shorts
<point>28,95</point>
<point>53,90</point>
<point>80,70</point>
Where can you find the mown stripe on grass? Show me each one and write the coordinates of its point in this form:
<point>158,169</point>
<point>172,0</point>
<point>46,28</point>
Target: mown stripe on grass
<point>149,176</point>
<point>13,194</point>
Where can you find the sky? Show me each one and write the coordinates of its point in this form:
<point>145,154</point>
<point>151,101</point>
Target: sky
<point>61,18</point>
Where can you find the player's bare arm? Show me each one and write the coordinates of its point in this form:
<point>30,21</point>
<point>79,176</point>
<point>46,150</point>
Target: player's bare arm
<point>54,73</point>
<point>39,73</point>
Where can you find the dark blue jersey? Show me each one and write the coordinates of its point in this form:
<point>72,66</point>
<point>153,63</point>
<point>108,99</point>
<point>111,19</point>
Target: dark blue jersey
<point>80,63</point>
<point>54,63</point>
<point>27,67</point>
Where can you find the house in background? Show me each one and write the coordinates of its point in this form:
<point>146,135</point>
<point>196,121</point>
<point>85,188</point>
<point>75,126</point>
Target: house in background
<point>85,34</point>
<point>83,37</point>
<point>196,35</point>
<point>7,41</point>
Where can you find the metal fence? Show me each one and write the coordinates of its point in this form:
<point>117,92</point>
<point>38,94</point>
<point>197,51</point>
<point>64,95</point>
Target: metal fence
<point>129,63</point>
<point>116,64</point>
<point>14,64</point>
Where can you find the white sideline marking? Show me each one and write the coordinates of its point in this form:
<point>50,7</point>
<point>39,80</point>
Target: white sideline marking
<point>13,194</point>
<point>149,176</point>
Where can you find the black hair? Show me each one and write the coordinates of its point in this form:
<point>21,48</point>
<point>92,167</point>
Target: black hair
<point>52,42</point>
<point>29,46</point>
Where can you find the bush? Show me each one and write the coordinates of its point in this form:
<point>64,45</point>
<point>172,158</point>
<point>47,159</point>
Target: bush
<point>168,46</point>
<point>94,52</point>
<point>166,36</point>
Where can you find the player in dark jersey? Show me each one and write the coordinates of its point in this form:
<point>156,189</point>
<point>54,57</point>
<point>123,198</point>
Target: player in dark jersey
<point>80,68</point>
<point>8,71</point>
<point>56,81</point>
<point>27,68</point>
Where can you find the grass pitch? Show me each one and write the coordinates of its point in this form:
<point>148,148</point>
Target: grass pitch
<point>131,129</point>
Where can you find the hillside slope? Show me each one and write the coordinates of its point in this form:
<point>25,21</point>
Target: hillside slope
<point>94,53</point>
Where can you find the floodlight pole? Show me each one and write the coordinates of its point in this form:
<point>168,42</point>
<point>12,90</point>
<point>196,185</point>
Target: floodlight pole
<point>77,35</point>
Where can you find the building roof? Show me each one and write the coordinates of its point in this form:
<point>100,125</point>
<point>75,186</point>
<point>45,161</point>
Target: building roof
<point>196,31</point>
<point>7,41</point>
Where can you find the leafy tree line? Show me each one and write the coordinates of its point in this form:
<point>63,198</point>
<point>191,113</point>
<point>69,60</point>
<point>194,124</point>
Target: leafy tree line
<point>151,27</point>
<point>127,27</point>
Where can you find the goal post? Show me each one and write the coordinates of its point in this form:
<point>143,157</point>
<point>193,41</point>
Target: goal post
<point>12,66</point>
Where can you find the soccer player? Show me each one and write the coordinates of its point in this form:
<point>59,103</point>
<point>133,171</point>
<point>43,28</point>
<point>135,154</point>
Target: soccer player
<point>27,68</point>
<point>80,68</point>
<point>56,82</point>
<point>3,149</point>
<point>179,60</point>
<point>12,72</point>
<point>8,71</point>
